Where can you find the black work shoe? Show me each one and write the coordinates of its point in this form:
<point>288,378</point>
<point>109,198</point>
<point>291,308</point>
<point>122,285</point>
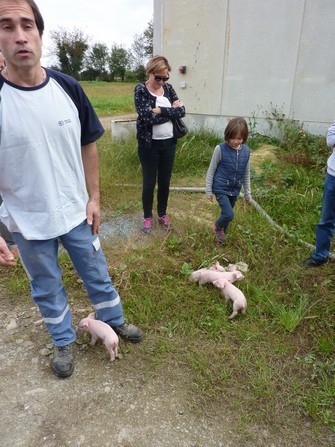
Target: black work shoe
<point>129,332</point>
<point>312,262</point>
<point>62,361</point>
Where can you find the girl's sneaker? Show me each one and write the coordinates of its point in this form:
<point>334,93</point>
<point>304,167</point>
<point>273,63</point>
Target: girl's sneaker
<point>220,234</point>
<point>147,225</point>
<point>165,221</point>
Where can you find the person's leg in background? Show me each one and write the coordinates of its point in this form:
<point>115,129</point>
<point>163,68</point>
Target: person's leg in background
<point>167,152</point>
<point>149,162</point>
<point>325,228</point>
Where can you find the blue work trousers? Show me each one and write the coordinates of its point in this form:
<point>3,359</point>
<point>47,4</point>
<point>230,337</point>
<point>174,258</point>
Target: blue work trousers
<point>326,227</point>
<point>227,204</point>
<point>40,260</point>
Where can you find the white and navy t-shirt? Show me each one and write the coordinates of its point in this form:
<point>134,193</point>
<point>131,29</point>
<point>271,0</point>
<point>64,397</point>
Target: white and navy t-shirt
<point>42,180</point>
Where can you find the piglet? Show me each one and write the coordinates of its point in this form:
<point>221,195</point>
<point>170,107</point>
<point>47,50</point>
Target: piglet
<point>100,330</point>
<point>204,276</point>
<point>217,267</point>
<point>231,292</point>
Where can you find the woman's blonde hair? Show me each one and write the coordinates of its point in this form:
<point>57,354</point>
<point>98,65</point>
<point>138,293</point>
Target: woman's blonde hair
<point>157,64</point>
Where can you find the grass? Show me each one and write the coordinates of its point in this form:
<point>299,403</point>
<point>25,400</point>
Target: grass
<point>110,98</point>
<point>274,364</point>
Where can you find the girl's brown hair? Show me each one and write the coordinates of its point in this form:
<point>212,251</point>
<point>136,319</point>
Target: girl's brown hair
<point>236,126</point>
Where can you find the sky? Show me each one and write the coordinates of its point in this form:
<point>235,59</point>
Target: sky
<point>103,21</point>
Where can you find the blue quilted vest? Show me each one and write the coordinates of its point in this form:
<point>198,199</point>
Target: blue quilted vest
<point>229,174</point>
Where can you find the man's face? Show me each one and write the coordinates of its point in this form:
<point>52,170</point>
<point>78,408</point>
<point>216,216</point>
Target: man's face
<point>2,61</point>
<point>20,41</point>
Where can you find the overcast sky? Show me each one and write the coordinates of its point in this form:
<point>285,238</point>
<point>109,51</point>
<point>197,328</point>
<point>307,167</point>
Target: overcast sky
<point>105,21</point>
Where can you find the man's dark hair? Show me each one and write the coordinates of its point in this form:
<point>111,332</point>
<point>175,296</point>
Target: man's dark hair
<point>38,16</point>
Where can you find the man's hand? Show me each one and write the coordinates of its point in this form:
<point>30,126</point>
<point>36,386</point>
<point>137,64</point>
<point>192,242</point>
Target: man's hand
<point>91,168</point>
<point>93,216</point>
<point>6,256</point>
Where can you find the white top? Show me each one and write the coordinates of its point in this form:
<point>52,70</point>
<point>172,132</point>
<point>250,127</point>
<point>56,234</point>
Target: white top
<point>165,130</point>
<point>42,179</point>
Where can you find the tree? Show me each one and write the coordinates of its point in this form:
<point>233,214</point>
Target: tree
<point>118,62</point>
<point>70,48</point>
<point>141,50</point>
<point>97,62</point>
<point>148,38</point>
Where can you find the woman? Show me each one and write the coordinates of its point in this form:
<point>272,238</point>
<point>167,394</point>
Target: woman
<point>157,104</point>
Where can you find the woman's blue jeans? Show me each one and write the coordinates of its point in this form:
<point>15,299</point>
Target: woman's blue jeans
<point>40,260</point>
<point>326,227</point>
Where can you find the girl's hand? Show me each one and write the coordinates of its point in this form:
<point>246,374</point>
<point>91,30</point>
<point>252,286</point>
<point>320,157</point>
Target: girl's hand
<point>210,198</point>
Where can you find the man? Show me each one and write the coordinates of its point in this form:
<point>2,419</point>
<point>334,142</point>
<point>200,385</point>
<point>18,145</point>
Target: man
<point>3,229</point>
<point>326,227</point>
<point>49,181</point>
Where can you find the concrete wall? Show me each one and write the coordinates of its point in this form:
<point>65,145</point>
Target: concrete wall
<point>250,58</point>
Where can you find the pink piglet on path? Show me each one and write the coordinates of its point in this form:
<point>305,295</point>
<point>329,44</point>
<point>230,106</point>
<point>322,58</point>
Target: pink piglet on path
<point>231,292</point>
<point>100,330</point>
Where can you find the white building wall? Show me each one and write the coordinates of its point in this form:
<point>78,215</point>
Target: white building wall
<point>249,58</point>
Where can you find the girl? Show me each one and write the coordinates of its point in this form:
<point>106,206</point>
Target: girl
<point>228,171</point>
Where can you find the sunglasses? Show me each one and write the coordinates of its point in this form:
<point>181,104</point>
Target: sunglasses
<point>162,78</point>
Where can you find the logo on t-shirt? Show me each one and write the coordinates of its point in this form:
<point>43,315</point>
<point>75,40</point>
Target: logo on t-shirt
<point>63,123</point>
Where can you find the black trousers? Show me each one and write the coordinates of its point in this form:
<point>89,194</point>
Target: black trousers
<point>157,164</point>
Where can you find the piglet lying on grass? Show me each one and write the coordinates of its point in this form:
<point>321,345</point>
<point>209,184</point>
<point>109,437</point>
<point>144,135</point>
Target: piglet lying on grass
<point>217,267</point>
<point>240,267</point>
<point>204,276</point>
<point>100,330</point>
<point>231,292</point>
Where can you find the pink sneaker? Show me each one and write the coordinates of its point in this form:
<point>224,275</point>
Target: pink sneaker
<point>165,221</point>
<point>147,225</point>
